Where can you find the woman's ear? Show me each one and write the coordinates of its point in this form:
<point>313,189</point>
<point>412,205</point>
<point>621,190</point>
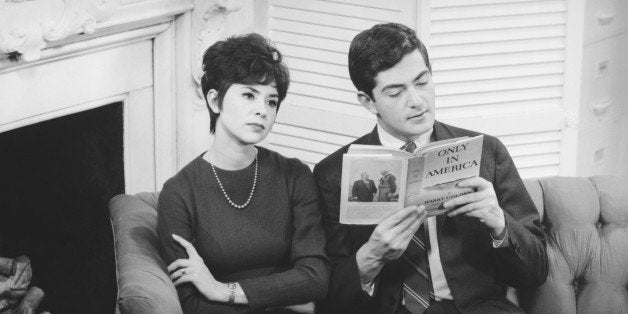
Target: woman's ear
<point>367,102</point>
<point>212,100</point>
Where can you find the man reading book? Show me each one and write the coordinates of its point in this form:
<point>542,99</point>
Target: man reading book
<point>459,262</point>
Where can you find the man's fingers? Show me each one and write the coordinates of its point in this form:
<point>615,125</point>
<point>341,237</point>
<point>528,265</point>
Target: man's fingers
<point>478,183</point>
<point>463,199</point>
<point>189,248</point>
<point>178,264</point>
<point>398,217</point>
<point>465,209</point>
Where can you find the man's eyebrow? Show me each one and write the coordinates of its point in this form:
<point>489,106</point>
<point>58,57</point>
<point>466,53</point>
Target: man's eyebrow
<point>402,85</point>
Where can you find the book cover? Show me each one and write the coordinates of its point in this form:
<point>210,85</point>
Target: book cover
<point>377,180</point>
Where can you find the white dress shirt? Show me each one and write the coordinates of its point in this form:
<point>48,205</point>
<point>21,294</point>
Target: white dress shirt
<point>439,282</point>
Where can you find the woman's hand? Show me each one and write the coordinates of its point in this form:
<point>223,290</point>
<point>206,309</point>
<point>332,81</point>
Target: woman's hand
<point>194,270</point>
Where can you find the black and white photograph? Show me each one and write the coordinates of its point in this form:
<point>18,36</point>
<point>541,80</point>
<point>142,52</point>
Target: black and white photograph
<point>193,156</point>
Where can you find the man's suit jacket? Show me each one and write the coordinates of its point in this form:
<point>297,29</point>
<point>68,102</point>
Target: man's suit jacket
<point>477,273</point>
<point>363,192</point>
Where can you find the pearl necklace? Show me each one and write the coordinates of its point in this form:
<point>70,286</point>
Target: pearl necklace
<point>224,192</point>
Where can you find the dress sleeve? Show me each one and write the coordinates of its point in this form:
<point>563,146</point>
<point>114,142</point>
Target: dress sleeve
<point>523,262</point>
<point>308,279</point>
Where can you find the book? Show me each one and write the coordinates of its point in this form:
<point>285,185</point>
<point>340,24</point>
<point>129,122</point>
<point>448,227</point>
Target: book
<point>378,180</point>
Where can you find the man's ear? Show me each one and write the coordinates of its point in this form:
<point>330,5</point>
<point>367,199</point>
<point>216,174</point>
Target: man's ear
<point>212,100</point>
<point>367,102</point>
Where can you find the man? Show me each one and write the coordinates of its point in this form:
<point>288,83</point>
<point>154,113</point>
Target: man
<point>387,187</point>
<point>489,239</point>
<point>364,189</point>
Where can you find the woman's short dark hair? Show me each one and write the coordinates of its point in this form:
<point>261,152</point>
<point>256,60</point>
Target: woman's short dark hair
<point>378,49</point>
<point>245,59</point>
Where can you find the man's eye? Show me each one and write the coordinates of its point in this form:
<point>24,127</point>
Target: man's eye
<point>394,94</point>
<point>421,83</point>
<point>248,95</point>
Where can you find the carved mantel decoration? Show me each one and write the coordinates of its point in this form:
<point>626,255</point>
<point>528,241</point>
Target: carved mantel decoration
<point>28,26</point>
<point>213,21</point>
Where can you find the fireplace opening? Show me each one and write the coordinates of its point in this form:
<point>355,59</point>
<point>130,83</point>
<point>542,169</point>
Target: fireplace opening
<point>56,179</point>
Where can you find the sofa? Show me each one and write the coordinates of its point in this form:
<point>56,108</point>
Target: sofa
<point>585,220</point>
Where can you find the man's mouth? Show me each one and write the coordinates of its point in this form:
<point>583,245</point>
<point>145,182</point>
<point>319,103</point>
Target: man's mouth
<point>416,116</point>
<point>257,125</point>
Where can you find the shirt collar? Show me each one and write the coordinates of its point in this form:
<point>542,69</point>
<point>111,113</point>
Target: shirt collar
<point>390,141</point>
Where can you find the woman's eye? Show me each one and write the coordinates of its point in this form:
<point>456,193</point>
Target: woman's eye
<point>248,95</point>
<point>272,103</point>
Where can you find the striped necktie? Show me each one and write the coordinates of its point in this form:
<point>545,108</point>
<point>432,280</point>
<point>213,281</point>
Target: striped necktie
<point>409,147</point>
<point>417,284</point>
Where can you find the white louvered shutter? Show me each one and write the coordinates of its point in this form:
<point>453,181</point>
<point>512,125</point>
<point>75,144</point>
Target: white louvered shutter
<point>498,68</point>
<point>321,112</point>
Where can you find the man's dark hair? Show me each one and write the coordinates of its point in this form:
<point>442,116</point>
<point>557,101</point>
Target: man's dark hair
<point>246,59</point>
<point>378,49</point>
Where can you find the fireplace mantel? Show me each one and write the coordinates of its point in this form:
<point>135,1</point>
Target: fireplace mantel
<point>59,57</point>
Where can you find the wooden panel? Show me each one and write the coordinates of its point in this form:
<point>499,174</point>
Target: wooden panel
<point>112,71</point>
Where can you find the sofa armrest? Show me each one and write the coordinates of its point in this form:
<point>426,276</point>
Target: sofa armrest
<point>144,285</point>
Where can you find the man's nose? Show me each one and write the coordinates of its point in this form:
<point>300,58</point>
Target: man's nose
<point>414,98</point>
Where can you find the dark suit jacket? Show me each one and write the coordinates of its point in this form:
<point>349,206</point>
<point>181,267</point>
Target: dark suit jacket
<point>362,192</point>
<point>477,273</point>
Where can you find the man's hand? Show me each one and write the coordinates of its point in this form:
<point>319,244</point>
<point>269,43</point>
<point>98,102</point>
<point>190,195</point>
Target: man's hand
<point>481,204</point>
<point>388,241</point>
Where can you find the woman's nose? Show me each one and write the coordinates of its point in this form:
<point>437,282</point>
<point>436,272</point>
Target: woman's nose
<point>260,108</point>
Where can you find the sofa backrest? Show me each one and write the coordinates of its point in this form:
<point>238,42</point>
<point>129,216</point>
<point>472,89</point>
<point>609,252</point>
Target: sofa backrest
<point>586,225</point>
<point>144,285</point>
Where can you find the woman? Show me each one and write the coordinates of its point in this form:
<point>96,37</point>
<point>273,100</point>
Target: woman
<point>240,225</point>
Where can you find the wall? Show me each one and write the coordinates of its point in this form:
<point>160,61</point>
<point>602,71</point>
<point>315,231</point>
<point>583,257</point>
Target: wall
<point>601,144</point>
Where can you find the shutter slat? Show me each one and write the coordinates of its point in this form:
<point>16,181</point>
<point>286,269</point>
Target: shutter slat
<point>386,5</point>
<point>509,71</point>
<point>459,3</point>
<point>323,92</point>
<point>313,54</point>
<point>323,68</point>
<point>323,80</point>
<point>310,41</point>
<point>504,84</point>
<point>496,35</point>
<point>500,22</point>
<point>340,9</point>
<point>499,97</point>
<point>494,10</point>
<point>498,109</point>
<point>327,105</point>
<point>539,137</point>
<point>511,46</point>
<point>473,62</point>
<point>347,27</point>
<point>318,135</point>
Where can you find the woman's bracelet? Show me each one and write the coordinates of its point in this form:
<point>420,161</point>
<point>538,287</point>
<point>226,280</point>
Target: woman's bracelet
<point>232,287</point>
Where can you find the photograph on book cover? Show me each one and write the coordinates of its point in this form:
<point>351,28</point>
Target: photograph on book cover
<point>372,186</point>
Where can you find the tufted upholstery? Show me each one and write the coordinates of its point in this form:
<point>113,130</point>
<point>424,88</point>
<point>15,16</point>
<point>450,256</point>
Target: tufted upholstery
<point>586,222</point>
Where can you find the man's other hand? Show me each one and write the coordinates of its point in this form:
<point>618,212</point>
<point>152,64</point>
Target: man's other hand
<point>388,241</point>
<point>481,204</point>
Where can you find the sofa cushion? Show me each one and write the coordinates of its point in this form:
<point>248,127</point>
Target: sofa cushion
<point>143,282</point>
<point>586,226</point>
